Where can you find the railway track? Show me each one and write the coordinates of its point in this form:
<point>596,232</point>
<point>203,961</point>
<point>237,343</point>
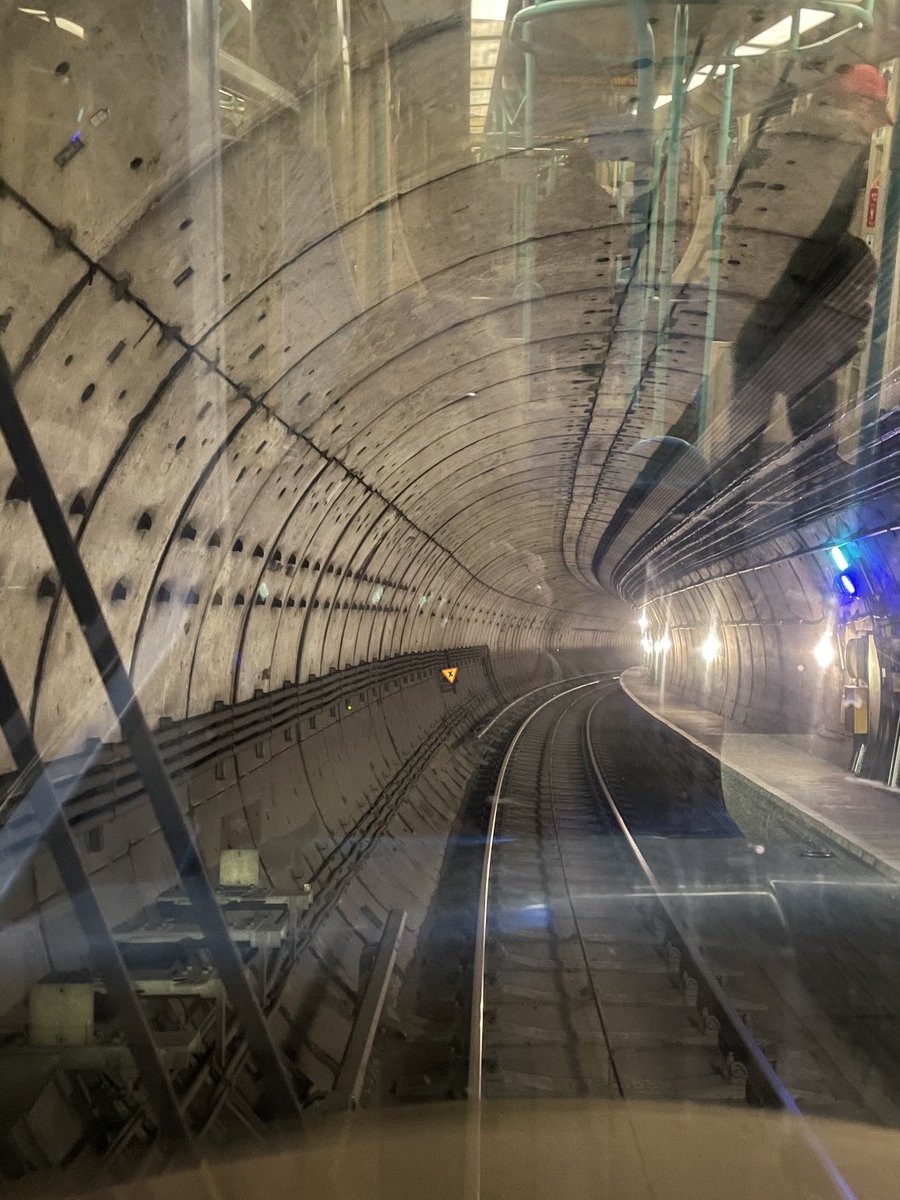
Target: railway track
<point>586,981</point>
<point>429,1062</point>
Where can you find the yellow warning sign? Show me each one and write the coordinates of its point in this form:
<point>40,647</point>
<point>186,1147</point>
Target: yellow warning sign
<point>450,673</point>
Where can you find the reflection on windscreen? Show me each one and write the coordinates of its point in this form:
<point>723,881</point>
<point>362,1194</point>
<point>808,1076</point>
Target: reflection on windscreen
<point>449,639</point>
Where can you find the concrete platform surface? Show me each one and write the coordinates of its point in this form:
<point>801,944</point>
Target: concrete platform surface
<point>861,816</point>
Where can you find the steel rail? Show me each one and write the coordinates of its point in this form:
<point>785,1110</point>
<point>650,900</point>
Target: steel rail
<point>762,1077</point>
<point>476,1021</point>
<point>576,922</point>
<point>534,691</point>
<point>472,1158</point>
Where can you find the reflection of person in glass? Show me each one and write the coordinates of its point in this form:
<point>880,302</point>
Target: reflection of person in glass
<point>792,255</point>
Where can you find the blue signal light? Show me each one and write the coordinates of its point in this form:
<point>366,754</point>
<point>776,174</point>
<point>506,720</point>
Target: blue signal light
<point>847,585</point>
<point>840,559</point>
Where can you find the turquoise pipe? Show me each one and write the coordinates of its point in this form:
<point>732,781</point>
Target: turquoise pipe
<point>667,254</point>
<point>654,222</point>
<point>716,243</point>
<point>864,12</point>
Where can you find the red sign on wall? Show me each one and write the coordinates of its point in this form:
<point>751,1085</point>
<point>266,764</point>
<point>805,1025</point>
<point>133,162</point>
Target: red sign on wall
<point>872,210</point>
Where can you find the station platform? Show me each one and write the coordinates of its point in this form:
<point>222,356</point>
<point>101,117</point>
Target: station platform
<point>860,816</point>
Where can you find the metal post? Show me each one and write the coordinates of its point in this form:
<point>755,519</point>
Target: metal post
<point>529,90</point>
<point>667,259</point>
<point>526,203</point>
<point>57,835</point>
<point>379,107</point>
<point>795,31</point>
<point>654,222</point>
<point>881,309</point>
<point>647,168</point>
<point>864,13</point>
<point>716,243</point>
<point>136,733</point>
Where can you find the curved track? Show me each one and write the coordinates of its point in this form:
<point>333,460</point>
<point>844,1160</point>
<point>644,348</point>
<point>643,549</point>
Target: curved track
<point>586,982</point>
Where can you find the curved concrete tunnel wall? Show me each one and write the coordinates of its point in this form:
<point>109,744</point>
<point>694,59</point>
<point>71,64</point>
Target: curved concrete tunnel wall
<point>271,477</point>
<point>768,622</point>
<point>280,408</point>
<point>248,518</point>
<point>379,767</point>
<point>769,614</point>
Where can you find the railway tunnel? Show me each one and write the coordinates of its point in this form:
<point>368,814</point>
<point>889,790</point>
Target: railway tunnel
<point>370,378</point>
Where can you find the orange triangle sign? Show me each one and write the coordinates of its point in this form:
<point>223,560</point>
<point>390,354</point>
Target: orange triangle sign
<point>449,673</point>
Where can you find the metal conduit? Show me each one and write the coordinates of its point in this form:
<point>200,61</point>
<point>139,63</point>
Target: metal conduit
<point>667,254</point>
<point>721,196</point>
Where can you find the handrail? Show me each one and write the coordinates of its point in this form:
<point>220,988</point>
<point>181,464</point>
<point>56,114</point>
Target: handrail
<point>864,12</point>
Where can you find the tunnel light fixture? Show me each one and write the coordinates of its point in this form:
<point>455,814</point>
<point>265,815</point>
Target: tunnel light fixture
<point>664,645</point>
<point>696,80</point>
<point>69,26</point>
<point>840,559</point>
<point>824,651</point>
<point>489,10</point>
<point>647,644</point>
<point>846,584</point>
<point>62,23</point>
<point>643,622</point>
<point>711,648</point>
<point>779,34</point>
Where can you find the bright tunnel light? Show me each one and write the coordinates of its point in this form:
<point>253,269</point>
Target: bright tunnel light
<point>824,652</point>
<point>647,645</point>
<point>711,648</point>
<point>847,585</point>
<point>643,622</point>
<point>489,10</point>
<point>664,644</point>
<point>779,34</point>
<point>840,559</point>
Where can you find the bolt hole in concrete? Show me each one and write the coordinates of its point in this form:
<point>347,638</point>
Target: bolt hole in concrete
<point>62,68</point>
<point>136,164</point>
